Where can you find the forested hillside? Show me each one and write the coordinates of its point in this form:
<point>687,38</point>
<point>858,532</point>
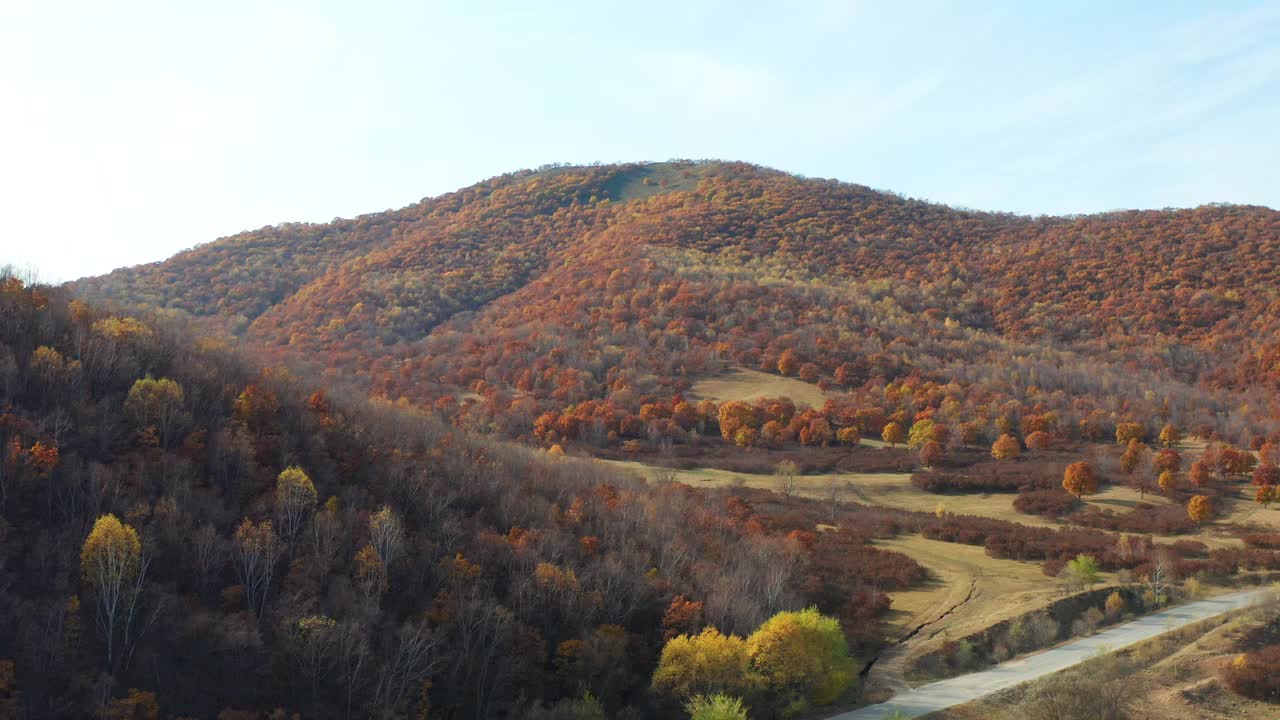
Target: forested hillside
<point>183,535</point>
<point>580,305</point>
<point>270,474</point>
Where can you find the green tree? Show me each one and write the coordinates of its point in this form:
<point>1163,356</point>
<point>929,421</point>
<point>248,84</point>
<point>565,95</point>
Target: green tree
<point>715,707</point>
<point>803,653</point>
<point>586,707</point>
<point>1082,572</point>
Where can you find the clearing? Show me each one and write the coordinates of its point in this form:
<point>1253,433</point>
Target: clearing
<point>744,385</point>
<point>996,589</point>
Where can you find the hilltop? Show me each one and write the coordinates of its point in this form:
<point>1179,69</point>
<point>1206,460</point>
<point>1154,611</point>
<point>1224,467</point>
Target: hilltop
<point>601,290</point>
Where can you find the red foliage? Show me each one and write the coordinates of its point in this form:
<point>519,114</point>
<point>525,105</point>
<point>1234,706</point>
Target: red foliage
<point>1051,503</point>
<point>1255,674</point>
<point>1266,475</point>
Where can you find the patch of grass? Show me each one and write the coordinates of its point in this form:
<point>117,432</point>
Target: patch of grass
<point>996,589</point>
<point>743,384</point>
<point>1001,588</point>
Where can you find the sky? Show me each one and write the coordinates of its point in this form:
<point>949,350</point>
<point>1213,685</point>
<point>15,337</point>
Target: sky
<point>132,130</point>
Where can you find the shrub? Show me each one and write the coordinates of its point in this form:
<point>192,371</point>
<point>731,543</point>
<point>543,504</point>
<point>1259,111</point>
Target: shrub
<point>1115,604</point>
<point>1255,674</point>
<point>991,476</point>
<point>586,707</point>
<point>1269,542</point>
<point>1143,518</point>
<point>715,707</point>
<point>1051,503</point>
<point>1080,695</point>
<point>1191,548</point>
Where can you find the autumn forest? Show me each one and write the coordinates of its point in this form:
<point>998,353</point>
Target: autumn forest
<point>684,439</point>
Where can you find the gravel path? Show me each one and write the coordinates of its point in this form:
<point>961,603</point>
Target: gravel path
<point>955,691</point>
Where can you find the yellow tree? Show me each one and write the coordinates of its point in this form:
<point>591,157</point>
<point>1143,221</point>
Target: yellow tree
<point>157,403</point>
<point>386,533</point>
<point>893,434</point>
<point>708,662</point>
<point>803,652</point>
<point>1006,448</point>
<point>1170,435</point>
<point>1166,481</point>
<point>111,563</point>
<point>921,432</point>
<point>1115,604</point>
<point>257,551</point>
<point>1127,432</point>
<point>1200,508</point>
<point>295,499</point>
<point>734,416</point>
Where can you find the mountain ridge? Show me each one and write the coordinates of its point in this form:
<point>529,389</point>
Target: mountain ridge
<point>385,297</point>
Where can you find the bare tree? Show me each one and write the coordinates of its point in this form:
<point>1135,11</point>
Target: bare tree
<point>257,551</point>
<point>784,477</point>
<point>407,659</point>
<point>326,537</point>
<point>834,493</point>
<point>1158,578</point>
<point>138,611</point>
<point>207,553</point>
<point>352,651</point>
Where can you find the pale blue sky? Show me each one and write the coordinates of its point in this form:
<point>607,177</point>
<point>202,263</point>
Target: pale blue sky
<point>131,130</point>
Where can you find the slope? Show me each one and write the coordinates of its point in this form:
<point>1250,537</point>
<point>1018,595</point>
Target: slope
<point>620,285</point>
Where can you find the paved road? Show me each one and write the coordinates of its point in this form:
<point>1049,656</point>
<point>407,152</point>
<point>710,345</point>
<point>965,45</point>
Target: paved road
<point>945,693</point>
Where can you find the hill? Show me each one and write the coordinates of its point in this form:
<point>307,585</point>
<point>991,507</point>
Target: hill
<point>700,322</point>
<point>580,304</point>
<point>185,534</point>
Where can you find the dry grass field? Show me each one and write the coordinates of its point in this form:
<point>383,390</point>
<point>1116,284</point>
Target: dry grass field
<point>975,590</point>
<point>743,384</point>
<point>967,590</point>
